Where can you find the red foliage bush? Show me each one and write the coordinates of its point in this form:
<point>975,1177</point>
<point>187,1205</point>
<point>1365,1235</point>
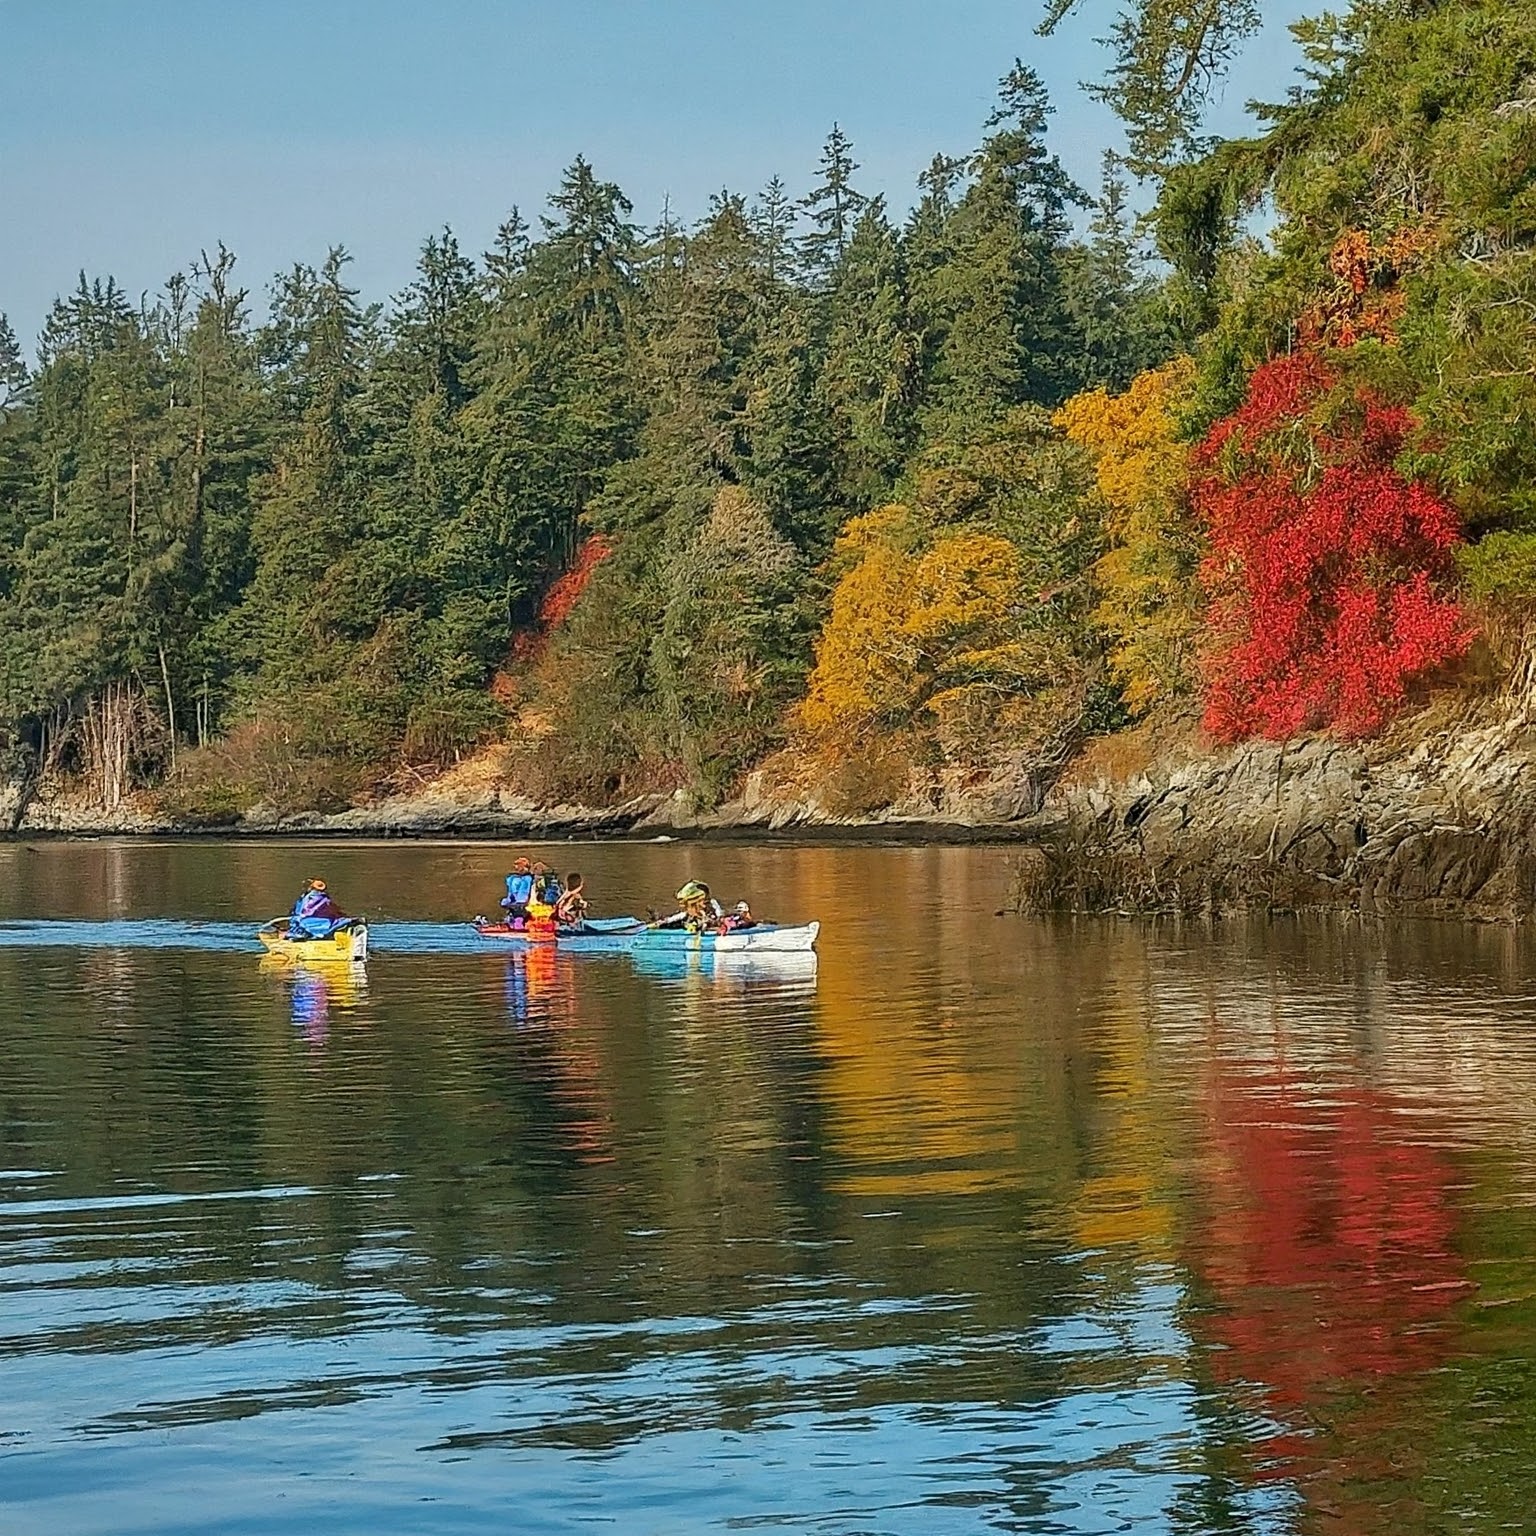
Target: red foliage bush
<point>1329,574</point>
<point>562,596</point>
<point>566,590</point>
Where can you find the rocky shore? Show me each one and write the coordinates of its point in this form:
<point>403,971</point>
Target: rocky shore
<point>496,813</point>
<point>1438,819</point>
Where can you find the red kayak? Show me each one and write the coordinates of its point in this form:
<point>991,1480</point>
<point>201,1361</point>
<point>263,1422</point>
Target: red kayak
<point>537,930</point>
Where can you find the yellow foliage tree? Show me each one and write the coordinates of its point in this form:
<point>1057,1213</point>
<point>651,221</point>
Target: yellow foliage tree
<point>957,638</point>
<point>942,630</point>
<point>1148,597</point>
<point>862,676</point>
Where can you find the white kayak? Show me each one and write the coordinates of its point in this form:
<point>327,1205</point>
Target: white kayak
<point>761,938</point>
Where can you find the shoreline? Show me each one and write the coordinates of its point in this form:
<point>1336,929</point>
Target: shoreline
<point>1437,819</point>
<point>903,832</point>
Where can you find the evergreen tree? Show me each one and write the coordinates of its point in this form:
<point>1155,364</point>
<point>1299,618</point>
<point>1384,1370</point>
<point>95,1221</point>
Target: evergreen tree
<point>773,223</point>
<point>998,297</point>
<point>1119,316</point>
<point>225,447</point>
<point>871,373</point>
<point>833,206</point>
<point>17,453</point>
<point>306,609</point>
<point>1169,55</point>
<point>556,409</point>
<point>13,370</point>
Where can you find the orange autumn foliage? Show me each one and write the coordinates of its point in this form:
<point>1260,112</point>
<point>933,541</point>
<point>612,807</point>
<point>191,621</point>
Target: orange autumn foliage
<point>1363,299</point>
<point>917,630</point>
<point>562,596</point>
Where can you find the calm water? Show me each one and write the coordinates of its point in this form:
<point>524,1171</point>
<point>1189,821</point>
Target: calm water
<point>979,1224</point>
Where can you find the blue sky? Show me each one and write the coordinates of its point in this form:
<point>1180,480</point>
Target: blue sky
<point>134,132</point>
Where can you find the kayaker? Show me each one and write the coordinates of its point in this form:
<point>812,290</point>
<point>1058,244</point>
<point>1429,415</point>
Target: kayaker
<point>546,885</point>
<point>740,916</point>
<point>315,915</point>
<point>571,909</point>
<point>699,911</point>
<point>519,890</point>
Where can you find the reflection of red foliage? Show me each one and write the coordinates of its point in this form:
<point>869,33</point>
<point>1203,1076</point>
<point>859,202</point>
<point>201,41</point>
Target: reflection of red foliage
<point>1330,1244</point>
<point>562,596</point>
<point>1328,571</point>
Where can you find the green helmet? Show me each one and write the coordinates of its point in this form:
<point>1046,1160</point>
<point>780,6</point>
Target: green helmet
<point>692,891</point>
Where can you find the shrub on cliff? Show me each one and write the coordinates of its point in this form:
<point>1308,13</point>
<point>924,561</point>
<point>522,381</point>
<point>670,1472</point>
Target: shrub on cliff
<point>1330,574</point>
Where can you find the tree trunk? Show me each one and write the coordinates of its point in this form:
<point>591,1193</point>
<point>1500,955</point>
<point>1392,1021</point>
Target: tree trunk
<point>170,705</point>
<point>109,736</point>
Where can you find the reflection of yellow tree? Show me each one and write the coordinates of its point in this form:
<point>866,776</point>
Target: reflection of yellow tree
<point>931,1094</point>
<point>1125,1198</point>
<point>915,1105</point>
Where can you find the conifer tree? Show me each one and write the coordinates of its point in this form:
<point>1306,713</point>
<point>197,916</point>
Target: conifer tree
<point>997,298</point>
<point>870,377</point>
<point>304,604</point>
<point>833,206</point>
<point>1118,316</point>
<point>13,369</point>
<point>1169,54</point>
<point>773,223</point>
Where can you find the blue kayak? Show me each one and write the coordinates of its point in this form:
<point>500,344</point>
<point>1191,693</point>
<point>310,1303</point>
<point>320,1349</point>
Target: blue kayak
<point>634,933</point>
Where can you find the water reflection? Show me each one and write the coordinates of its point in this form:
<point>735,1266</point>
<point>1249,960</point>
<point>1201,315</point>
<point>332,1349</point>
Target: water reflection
<point>966,1224</point>
<point>536,981</point>
<point>317,990</point>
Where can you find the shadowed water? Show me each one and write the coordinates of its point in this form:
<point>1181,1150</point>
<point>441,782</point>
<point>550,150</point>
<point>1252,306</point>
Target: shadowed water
<point>970,1223</point>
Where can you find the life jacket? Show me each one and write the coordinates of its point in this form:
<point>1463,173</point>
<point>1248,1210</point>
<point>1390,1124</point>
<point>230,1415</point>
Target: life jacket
<point>316,904</point>
<point>520,889</point>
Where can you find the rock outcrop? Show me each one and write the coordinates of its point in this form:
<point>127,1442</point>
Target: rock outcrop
<point>1438,819</point>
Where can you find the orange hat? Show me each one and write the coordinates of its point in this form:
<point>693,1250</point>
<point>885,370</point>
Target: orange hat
<point>519,863</point>
<point>317,885</point>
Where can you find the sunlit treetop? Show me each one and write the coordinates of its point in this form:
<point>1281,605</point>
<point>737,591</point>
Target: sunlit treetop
<point>1168,56</point>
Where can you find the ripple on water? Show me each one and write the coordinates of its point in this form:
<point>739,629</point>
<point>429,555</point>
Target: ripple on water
<point>958,1226</point>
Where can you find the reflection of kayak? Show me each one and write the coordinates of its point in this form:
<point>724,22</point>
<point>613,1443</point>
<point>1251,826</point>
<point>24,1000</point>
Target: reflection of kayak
<point>783,972</point>
<point>345,981</point>
<point>348,943</point>
<point>631,932</point>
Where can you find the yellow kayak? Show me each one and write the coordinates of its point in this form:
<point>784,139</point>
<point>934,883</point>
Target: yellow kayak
<point>348,944</point>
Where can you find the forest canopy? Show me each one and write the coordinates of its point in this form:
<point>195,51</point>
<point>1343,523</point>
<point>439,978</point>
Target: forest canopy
<point>892,500</point>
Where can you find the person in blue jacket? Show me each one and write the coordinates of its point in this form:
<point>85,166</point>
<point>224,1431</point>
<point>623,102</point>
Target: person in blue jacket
<point>519,891</point>
<point>315,915</point>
